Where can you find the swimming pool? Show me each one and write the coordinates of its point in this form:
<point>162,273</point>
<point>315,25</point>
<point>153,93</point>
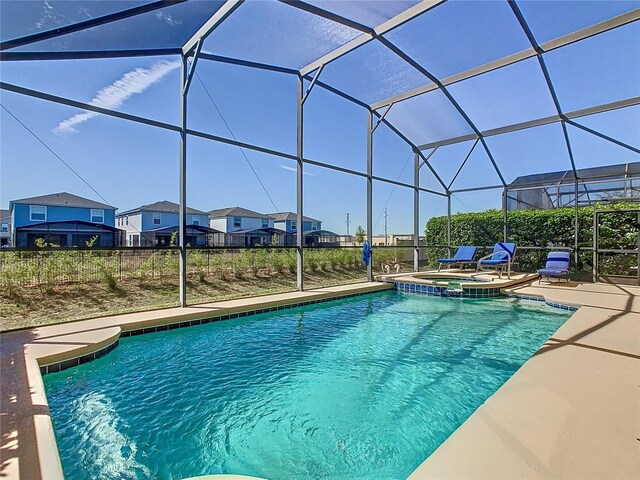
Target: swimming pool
<point>365,387</point>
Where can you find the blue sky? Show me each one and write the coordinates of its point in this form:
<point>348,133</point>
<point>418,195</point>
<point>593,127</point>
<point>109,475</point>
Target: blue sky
<point>131,164</point>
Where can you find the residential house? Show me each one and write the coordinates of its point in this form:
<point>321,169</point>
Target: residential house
<point>63,219</point>
<point>314,236</point>
<point>5,228</point>
<point>246,228</point>
<point>155,224</point>
<point>288,221</point>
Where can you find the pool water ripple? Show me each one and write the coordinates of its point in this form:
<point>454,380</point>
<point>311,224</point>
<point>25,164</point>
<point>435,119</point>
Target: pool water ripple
<point>365,387</point>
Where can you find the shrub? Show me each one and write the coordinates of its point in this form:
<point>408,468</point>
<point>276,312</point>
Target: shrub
<point>197,263</point>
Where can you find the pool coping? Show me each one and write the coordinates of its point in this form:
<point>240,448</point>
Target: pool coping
<point>29,449</point>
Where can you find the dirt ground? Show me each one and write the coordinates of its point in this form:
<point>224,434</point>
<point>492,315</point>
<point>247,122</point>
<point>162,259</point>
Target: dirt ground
<point>33,306</point>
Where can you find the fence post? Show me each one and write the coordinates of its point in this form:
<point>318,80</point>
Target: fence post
<point>253,262</point>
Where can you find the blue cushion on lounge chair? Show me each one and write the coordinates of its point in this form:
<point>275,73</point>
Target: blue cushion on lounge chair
<point>500,256</point>
<point>463,254</point>
<point>557,264</point>
<point>550,272</point>
<point>490,261</point>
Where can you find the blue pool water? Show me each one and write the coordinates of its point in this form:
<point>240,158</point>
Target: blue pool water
<point>361,388</point>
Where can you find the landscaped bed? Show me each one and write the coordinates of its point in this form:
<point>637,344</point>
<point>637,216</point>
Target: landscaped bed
<point>31,306</point>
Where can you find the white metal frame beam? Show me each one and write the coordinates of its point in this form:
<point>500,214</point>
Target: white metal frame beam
<point>554,44</point>
<point>360,40</point>
<point>629,102</point>
<point>216,19</point>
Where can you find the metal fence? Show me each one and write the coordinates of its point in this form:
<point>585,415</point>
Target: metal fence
<point>56,266</point>
<point>34,267</point>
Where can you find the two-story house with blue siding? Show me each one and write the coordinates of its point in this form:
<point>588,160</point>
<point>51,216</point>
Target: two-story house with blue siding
<point>312,231</point>
<point>245,227</point>
<point>155,224</point>
<point>5,228</point>
<point>288,221</point>
<point>63,219</point>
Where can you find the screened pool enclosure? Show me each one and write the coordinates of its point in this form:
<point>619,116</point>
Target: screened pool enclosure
<point>454,81</point>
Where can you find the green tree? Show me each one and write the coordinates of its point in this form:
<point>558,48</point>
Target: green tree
<point>360,234</point>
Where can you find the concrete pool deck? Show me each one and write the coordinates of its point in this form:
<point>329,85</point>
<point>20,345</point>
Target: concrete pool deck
<point>484,279</point>
<point>571,411</point>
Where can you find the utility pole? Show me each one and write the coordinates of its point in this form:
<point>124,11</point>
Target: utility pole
<point>385,227</point>
<point>348,224</point>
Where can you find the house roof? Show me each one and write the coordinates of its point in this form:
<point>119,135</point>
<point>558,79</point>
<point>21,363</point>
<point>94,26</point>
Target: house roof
<point>190,227</point>
<point>163,206</point>
<point>62,199</point>
<point>258,231</point>
<point>282,216</point>
<point>48,225</point>
<point>5,213</point>
<point>320,233</point>
<point>236,212</point>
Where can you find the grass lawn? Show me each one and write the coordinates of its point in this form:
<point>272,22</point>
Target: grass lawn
<point>33,306</point>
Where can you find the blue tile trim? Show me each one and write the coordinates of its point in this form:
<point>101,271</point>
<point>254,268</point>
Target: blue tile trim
<point>437,291</point>
<point>561,306</point>
<point>232,316</point>
<point>74,362</point>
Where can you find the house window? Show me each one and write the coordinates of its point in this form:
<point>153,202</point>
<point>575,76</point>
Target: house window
<point>237,222</point>
<point>97,215</point>
<point>37,213</point>
<point>294,225</point>
<point>314,226</point>
<point>195,220</point>
<point>265,223</point>
<point>156,218</point>
<point>126,219</point>
<point>4,227</point>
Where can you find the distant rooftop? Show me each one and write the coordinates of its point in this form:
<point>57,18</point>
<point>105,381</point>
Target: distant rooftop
<point>163,206</point>
<point>282,216</point>
<point>62,199</point>
<point>236,212</point>
<point>4,213</point>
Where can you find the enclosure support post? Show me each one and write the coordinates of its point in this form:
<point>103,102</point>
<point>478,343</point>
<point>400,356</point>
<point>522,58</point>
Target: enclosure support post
<point>449,224</point>
<point>370,194</point>
<point>505,230</point>
<point>299,196</point>
<point>594,244</point>
<point>182,217</point>
<point>576,227</point>
<point>416,212</point>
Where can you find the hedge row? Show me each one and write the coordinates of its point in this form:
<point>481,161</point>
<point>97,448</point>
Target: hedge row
<point>539,228</point>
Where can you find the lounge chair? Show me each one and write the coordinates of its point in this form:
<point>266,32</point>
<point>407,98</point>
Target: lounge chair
<point>464,255</point>
<point>501,256</point>
<point>557,266</point>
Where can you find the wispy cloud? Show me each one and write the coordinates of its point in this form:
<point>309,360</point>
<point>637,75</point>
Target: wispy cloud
<point>131,83</point>
<point>293,169</point>
<point>168,19</point>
